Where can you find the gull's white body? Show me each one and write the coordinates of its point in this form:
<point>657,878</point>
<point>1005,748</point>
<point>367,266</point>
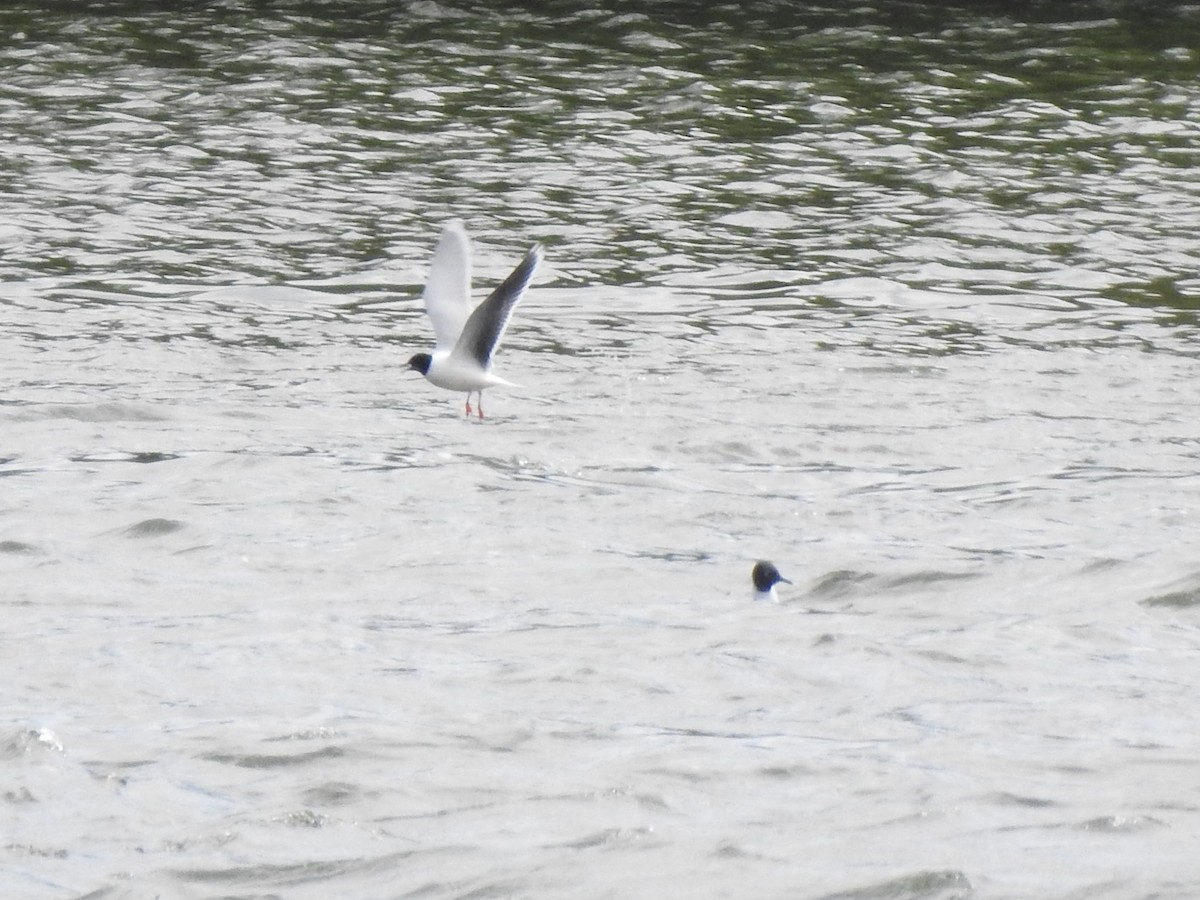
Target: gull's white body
<point>466,337</point>
<point>454,374</point>
<point>767,596</point>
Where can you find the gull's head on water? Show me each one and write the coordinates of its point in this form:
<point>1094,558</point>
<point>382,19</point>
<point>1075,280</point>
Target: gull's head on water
<point>765,576</point>
<point>421,362</point>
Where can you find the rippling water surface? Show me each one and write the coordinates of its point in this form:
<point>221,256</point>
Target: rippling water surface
<point>901,297</point>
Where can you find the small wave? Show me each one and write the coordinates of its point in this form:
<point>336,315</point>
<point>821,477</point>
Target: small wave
<point>941,885</point>
<point>275,760</point>
<point>148,528</point>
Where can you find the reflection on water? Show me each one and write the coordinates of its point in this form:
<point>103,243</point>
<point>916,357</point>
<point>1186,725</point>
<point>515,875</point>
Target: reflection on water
<point>944,148</point>
<point>902,296</point>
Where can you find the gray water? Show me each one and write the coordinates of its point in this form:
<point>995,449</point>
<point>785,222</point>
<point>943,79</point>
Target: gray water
<point>902,298</point>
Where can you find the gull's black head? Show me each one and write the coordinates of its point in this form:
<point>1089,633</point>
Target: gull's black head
<point>421,363</point>
<point>765,576</point>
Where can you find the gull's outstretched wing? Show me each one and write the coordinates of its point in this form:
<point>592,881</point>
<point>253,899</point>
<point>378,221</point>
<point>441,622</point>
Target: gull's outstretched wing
<point>486,325</point>
<point>448,289</point>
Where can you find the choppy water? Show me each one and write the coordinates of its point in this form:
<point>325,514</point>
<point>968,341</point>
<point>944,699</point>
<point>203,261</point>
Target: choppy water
<point>901,298</point>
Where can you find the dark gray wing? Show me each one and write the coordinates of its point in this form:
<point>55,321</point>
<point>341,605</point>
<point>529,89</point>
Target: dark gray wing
<point>487,322</point>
